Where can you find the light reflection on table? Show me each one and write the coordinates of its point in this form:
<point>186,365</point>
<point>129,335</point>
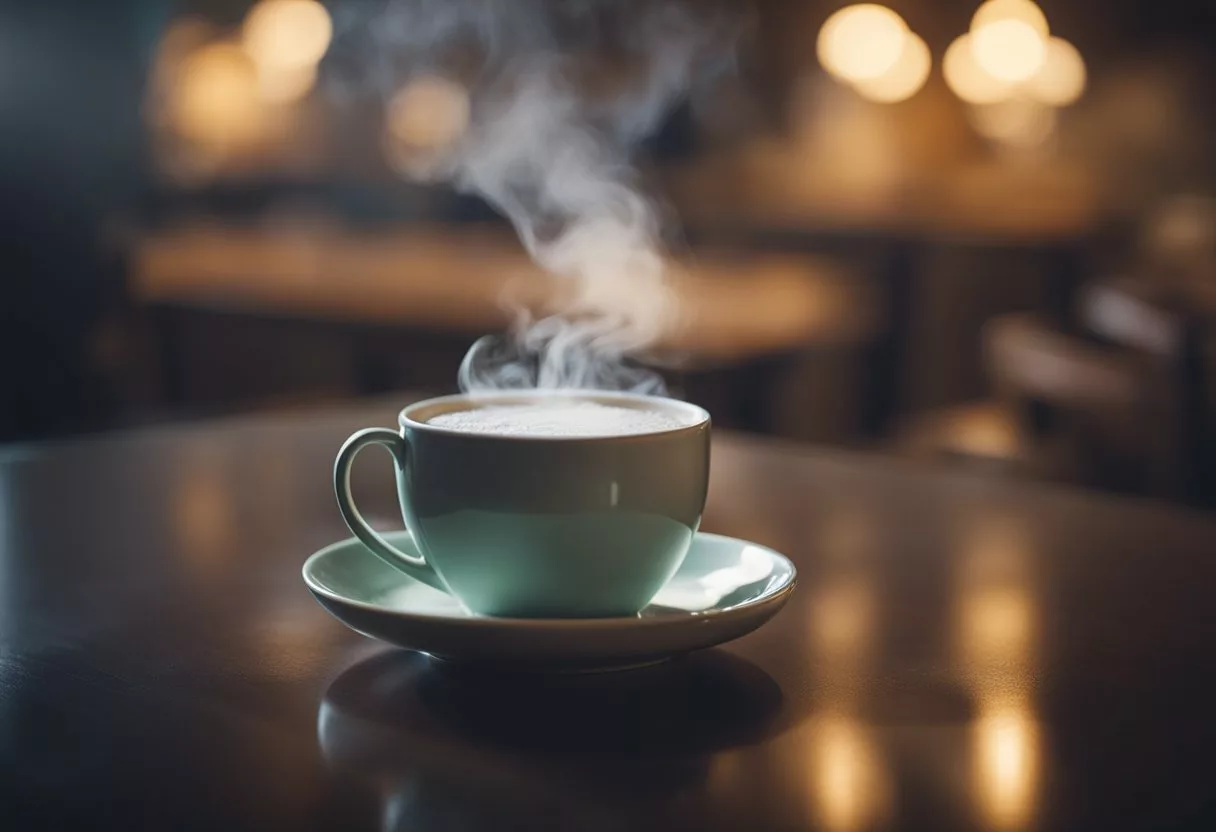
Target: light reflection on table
<point>845,758</point>
<point>997,653</point>
<point>849,780</point>
<point>201,510</point>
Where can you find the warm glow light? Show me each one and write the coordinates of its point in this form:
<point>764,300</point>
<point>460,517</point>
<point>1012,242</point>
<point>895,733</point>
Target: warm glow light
<point>849,787</point>
<point>967,79</point>
<point>1006,766</point>
<point>1009,52</point>
<point>842,620</point>
<point>423,122</point>
<point>987,434</point>
<point>285,84</point>
<point>1061,79</point>
<point>1018,122</point>
<point>428,113</point>
<point>1023,11</point>
<point>287,33</point>
<point>1008,49</point>
<point>862,42</point>
<point>905,78</point>
<point>215,98</point>
<point>1183,228</point>
<point>202,510</point>
<point>997,625</point>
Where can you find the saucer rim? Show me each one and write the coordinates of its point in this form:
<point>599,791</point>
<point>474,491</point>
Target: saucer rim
<point>777,596</point>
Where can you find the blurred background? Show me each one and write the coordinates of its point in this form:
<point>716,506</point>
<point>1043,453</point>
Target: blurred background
<point>981,236</point>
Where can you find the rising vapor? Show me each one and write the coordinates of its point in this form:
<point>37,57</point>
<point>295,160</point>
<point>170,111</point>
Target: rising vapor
<point>548,99</point>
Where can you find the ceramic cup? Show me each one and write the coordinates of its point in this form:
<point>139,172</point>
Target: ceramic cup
<point>530,527</point>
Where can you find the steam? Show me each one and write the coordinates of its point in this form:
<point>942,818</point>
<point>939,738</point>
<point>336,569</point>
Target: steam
<point>558,93</point>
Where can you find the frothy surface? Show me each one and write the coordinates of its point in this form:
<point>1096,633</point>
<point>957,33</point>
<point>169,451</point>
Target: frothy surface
<point>558,419</point>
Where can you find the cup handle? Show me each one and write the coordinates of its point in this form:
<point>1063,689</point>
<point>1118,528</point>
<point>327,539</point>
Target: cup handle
<point>412,565</point>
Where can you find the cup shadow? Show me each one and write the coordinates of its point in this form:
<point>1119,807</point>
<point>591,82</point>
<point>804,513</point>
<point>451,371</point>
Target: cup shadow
<point>577,748</point>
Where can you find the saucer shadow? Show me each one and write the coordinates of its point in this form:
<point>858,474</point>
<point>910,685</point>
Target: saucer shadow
<point>704,702</point>
<point>588,752</point>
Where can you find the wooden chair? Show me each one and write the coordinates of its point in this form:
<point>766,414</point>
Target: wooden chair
<point>1064,409</point>
<point>1173,332</point>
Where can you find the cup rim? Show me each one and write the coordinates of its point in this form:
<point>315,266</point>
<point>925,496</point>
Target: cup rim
<point>700,417</point>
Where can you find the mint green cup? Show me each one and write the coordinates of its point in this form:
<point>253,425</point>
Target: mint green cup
<point>527,527</point>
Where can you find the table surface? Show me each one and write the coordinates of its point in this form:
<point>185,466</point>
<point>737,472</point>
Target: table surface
<point>959,654</point>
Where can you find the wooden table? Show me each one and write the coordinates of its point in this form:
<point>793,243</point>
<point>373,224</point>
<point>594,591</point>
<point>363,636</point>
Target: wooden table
<point>960,654</point>
<point>731,307</point>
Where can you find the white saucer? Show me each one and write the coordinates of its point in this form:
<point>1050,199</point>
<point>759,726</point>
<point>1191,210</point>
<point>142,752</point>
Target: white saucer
<point>724,589</point>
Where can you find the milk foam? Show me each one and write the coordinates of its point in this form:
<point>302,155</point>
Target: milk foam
<point>557,420</point>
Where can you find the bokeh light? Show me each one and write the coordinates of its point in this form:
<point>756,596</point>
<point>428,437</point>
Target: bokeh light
<point>281,85</point>
<point>862,42</point>
<point>1182,228</point>
<point>422,122</point>
<point>287,33</point>
<point>1010,50</point>
<point>1061,79</point>
<point>1010,56</point>
<point>967,79</point>
<point>428,113</point>
<point>1023,11</point>
<point>216,96</point>
<point>987,433</point>
<point>905,78</point>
